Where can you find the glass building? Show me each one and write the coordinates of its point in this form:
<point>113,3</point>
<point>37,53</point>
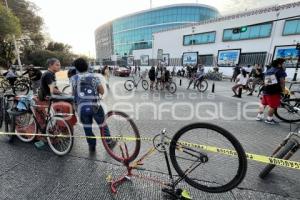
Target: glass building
<point>134,31</point>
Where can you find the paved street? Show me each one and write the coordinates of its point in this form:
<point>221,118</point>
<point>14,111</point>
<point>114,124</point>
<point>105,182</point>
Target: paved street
<point>28,173</point>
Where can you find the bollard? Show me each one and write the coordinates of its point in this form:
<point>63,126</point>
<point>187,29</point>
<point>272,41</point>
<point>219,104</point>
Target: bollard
<point>180,82</point>
<point>240,92</point>
<point>213,88</point>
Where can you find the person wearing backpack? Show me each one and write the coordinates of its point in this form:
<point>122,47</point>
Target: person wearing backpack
<point>86,89</point>
<point>274,85</point>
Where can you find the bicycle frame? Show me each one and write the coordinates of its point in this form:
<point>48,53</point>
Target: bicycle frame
<point>161,147</point>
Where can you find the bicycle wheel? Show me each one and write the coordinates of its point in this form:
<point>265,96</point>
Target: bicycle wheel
<point>20,89</point>
<point>129,85</point>
<point>24,124</point>
<point>60,137</point>
<point>218,166</point>
<point>280,154</point>
<point>119,124</point>
<point>202,86</point>
<point>145,84</point>
<point>172,88</point>
<point>289,111</point>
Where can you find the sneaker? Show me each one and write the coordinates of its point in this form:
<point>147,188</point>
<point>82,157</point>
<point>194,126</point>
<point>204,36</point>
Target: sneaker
<point>250,94</point>
<point>92,149</point>
<point>272,121</point>
<point>260,118</point>
<point>236,96</point>
<point>111,144</point>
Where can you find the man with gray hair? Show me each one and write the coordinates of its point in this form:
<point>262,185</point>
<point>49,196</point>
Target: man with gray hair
<point>48,80</point>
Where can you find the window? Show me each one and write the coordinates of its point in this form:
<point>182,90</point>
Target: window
<point>292,27</point>
<point>200,38</point>
<point>252,32</point>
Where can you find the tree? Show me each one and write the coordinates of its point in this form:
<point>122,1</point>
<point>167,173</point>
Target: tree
<point>56,46</point>
<point>9,25</point>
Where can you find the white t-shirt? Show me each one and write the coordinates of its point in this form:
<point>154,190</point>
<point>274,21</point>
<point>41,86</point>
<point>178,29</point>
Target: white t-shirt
<point>242,80</point>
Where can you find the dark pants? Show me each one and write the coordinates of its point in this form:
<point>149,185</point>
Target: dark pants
<point>87,121</point>
<point>12,80</point>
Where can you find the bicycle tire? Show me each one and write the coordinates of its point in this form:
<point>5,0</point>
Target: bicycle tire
<point>278,113</point>
<point>280,155</point>
<point>25,123</point>
<point>53,141</point>
<point>242,161</point>
<point>22,87</point>
<point>202,86</point>
<point>145,84</point>
<point>129,85</point>
<point>172,87</point>
<point>134,149</point>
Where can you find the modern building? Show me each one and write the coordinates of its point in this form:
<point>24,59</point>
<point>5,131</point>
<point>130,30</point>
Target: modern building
<point>133,32</point>
<point>254,36</point>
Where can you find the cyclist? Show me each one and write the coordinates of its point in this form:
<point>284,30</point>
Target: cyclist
<point>274,85</point>
<point>86,89</point>
<point>35,76</point>
<point>257,74</point>
<point>197,76</point>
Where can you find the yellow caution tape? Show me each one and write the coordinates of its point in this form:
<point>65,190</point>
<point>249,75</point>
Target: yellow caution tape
<point>250,156</point>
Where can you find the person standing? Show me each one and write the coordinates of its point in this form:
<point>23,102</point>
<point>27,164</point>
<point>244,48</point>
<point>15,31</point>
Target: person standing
<point>236,72</point>
<point>274,85</point>
<point>106,75</point>
<point>152,77</point>
<point>48,80</point>
<point>86,89</point>
<point>11,75</point>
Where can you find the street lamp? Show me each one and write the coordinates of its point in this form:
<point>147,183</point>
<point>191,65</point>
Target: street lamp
<point>16,46</point>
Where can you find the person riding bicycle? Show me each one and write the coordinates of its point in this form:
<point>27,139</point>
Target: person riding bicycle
<point>274,85</point>
<point>257,77</point>
<point>86,89</point>
<point>197,76</point>
<point>35,76</point>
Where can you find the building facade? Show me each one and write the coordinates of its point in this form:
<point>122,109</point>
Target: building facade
<point>134,32</point>
<point>260,36</point>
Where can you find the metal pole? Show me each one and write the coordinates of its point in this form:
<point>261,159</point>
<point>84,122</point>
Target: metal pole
<point>297,67</point>
<point>16,46</point>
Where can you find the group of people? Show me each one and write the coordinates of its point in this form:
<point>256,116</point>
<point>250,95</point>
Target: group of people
<point>158,77</point>
<point>273,80</point>
<point>86,88</point>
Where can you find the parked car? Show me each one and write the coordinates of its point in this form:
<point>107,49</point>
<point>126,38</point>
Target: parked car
<point>122,71</point>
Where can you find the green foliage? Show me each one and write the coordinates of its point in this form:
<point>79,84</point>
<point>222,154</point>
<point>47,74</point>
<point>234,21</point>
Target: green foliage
<point>9,24</point>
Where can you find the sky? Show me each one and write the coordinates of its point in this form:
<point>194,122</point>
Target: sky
<point>74,21</point>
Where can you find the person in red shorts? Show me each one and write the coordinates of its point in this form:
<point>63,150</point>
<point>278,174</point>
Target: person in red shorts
<point>274,84</point>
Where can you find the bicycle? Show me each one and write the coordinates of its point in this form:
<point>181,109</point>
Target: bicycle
<point>184,154</point>
<point>56,126</point>
<point>200,85</point>
<point>130,84</point>
<point>171,86</point>
<point>6,102</point>
<point>289,110</point>
<point>17,88</point>
<point>286,149</point>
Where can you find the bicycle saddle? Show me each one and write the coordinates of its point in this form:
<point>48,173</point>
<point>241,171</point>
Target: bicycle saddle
<point>56,98</point>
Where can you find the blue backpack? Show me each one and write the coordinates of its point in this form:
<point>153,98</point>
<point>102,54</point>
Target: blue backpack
<point>86,94</point>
